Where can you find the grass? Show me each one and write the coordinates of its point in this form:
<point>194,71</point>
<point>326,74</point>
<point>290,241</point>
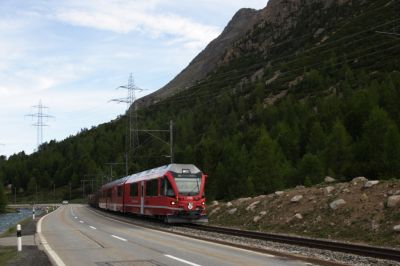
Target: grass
<point>6,254</point>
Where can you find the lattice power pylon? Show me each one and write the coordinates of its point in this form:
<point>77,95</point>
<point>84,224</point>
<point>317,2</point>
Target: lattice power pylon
<point>40,116</point>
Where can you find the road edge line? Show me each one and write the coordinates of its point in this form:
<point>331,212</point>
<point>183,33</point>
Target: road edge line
<point>51,254</point>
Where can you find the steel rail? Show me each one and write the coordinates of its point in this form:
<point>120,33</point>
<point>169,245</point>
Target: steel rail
<point>358,249</point>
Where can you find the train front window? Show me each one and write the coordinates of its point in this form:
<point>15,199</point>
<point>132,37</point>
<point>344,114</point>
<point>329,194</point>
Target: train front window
<point>188,184</point>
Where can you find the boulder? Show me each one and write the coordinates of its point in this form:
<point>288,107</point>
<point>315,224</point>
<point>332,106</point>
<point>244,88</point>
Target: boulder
<point>256,219</point>
<point>396,228</point>
<point>360,179</point>
<point>393,201</point>
<point>346,190</point>
<point>296,198</point>
<point>329,189</point>
<point>239,201</point>
<point>262,213</point>
<point>371,183</point>
<point>214,211</point>
<point>329,179</point>
<point>364,197</point>
<point>214,203</point>
<point>279,193</point>
<point>298,216</point>
<point>232,211</point>
<point>337,203</point>
<point>261,197</point>
<point>252,206</point>
<point>229,204</point>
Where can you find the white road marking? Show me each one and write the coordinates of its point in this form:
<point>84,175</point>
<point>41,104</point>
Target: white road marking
<point>181,260</point>
<point>81,222</point>
<point>76,217</point>
<point>120,238</point>
<point>94,228</point>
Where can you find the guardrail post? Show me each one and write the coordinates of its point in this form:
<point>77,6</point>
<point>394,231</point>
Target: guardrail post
<point>19,238</point>
<point>33,213</point>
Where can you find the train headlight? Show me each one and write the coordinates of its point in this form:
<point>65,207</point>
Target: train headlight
<point>173,202</point>
<point>203,203</point>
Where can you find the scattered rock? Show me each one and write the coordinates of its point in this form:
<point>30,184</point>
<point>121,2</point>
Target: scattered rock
<point>329,179</point>
<point>337,203</point>
<point>296,198</point>
<point>393,201</point>
<point>364,197</point>
<point>318,219</point>
<point>329,189</point>
<point>252,206</point>
<point>346,190</point>
<point>392,192</point>
<point>298,216</point>
<point>279,193</point>
<point>262,213</point>
<point>214,211</point>
<point>396,228</point>
<point>239,201</point>
<point>232,211</point>
<point>360,179</point>
<point>261,197</point>
<point>300,187</point>
<point>374,225</point>
<point>371,183</point>
<point>214,203</point>
<point>229,204</point>
<point>256,219</point>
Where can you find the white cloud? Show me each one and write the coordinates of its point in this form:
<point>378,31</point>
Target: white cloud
<point>125,17</point>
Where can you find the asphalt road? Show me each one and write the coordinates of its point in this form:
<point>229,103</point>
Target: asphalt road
<point>79,236</point>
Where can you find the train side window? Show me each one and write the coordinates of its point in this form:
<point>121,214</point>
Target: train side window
<point>134,190</point>
<point>166,188</point>
<point>152,187</point>
<point>119,191</point>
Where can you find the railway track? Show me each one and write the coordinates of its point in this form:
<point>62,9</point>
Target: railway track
<point>363,250</point>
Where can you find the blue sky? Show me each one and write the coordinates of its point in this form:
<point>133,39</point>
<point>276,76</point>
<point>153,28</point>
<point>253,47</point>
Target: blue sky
<point>72,54</point>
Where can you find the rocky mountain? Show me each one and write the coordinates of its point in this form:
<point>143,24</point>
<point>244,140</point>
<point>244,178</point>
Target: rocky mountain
<point>279,16</point>
<point>207,60</point>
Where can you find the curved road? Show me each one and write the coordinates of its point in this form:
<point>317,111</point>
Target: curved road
<point>79,236</point>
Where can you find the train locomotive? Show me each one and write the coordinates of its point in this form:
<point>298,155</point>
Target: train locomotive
<point>173,193</point>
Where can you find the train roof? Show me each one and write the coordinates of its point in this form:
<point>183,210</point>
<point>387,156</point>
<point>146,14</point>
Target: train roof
<point>160,171</point>
<point>154,173</point>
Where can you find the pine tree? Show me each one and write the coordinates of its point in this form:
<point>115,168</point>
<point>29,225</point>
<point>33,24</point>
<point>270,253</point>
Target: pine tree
<point>3,199</point>
<point>338,150</point>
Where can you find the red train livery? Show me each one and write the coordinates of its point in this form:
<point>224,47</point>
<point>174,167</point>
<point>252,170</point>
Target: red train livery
<point>174,193</point>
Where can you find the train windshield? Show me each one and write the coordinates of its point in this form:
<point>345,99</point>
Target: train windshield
<point>188,184</point>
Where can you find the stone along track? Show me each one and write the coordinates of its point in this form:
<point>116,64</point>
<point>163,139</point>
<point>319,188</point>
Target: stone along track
<point>363,250</point>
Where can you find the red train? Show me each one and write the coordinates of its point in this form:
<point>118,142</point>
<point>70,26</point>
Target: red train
<point>174,193</point>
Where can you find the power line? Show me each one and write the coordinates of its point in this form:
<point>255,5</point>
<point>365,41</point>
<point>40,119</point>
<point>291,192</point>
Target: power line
<point>39,124</point>
<point>131,142</point>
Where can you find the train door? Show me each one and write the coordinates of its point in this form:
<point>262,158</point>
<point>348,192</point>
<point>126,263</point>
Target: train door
<point>142,197</point>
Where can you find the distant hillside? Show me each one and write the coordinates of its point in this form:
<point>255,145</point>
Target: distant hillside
<point>303,90</point>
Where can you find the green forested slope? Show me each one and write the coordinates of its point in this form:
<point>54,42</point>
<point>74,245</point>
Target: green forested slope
<point>321,104</point>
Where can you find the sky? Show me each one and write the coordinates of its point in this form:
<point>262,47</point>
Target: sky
<point>72,55</point>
